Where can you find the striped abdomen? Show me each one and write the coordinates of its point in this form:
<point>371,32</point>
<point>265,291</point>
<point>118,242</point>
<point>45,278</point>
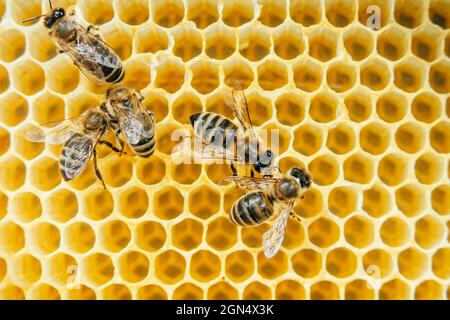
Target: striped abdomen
<point>213,128</point>
<point>252,208</point>
<point>75,155</point>
<point>146,144</point>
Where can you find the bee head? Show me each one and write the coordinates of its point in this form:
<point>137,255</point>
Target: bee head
<point>53,17</point>
<point>264,160</point>
<point>301,176</point>
<point>95,121</point>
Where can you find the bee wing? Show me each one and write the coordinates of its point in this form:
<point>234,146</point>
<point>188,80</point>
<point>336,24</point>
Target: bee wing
<point>273,238</point>
<point>198,149</point>
<point>252,182</point>
<point>77,159</point>
<point>135,122</point>
<point>54,132</point>
<point>237,101</point>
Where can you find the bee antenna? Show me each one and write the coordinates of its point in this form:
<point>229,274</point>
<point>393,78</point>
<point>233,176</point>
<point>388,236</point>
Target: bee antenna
<point>34,18</point>
<point>51,6</point>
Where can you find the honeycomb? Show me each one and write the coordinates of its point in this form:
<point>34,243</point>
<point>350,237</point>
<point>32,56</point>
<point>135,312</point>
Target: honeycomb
<point>366,111</point>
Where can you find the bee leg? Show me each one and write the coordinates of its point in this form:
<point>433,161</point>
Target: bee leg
<point>97,172</point>
<point>90,27</point>
<point>60,51</point>
<point>109,145</point>
<point>140,96</point>
<point>252,173</point>
<point>293,215</point>
<point>233,169</point>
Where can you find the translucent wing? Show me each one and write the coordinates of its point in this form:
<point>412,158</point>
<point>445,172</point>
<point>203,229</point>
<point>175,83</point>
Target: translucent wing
<point>238,104</point>
<point>55,132</point>
<point>196,148</point>
<point>273,238</point>
<point>77,156</point>
<point>252,182</point>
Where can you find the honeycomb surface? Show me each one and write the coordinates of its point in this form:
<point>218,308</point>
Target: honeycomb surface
<point>366,111</point>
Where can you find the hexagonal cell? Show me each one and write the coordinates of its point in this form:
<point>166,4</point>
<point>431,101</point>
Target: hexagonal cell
<point>410,137</point>
<point>188,42</point>
<point>4,79</point>
<point>167,14</point>
<point>133,202</point>
<point>429,290</point>
<point>12,44</point>
<point>14,171</point>
<point>116,171</point>
<point>358,42</point>
<point>341,262</point>
<point>252,237</point>
<point>392,106</point>
<point>187,234</point>
<point>359,231</point>
<point>272,75</point>
<point>23,146</point>
<point>440,263</point>
<point>395,289</point>
<point>377,263</point>
<point>220,42</point>
<point>83,292</point>
<point>412,263</point>
<point>236,69</point>
<point>116,292</point>
<point>12,237</point>
<point>236,13</point>
<point>374,138</point>
<point>239,266</point>
<point>11,292</point>
<point>290,290</point>
<point>429,232</point>
<point>358,168</point>
<point>170,267</point>
<point>150,38</point>
<point>409,13</point>
<point>306,12</point>
<point>60,267</point>
<point>221,234</point>
<point>98,204</point>
<point>295,234</point>
<point>439,79</point>
<point>119,38</point>
<point>151,170</point>
<point>137,72</point>
<point>185,105</point>
<point>204,266</point>
<point>79,237</point>
<point>428,168</point>
<point>133,12</point>
<point>26,269</point>
<point>45,237</point>
<point>288,41</point>
<point>323,44</point>
<point>425,42</point>
<point>323,107</point>
<point>96,12</point>
<point>342,201</point>
<point>218,172</point>
<point>48,108</point>
<point>61,205</point>
<point>151,292</point>
<point>205,76</point>
<point>260,108</point>
<point>256,291</point>
<point>222,291</point>
<point>439,137</point>
<point>340,13</point>
<point>133,266</point>
<point>426,107</point>
<point>204,202</point>
<point>393,43</point>
<point>41,46</point>
<point>276,138</point>
<point>28,77</point>
<point>79,103</point>
<point>44,292</point>
<point>150,236</point>
<point>438,13</point>
<point>409,75</point>
<point>375,74</point>
<point>324,170</point>
<point>323,232</point>
<point>341,76</point>
<point>185,173</point>
<point>358,105</point>
<point>2,8</point>
<point>274,267</point>
<point>166,137</point>
<point>13,109</point>
<point>290,108</point>
<point>157,103</point>
<point>311,205</point>
<point>440,199</point>
<point>307,75</point>
<point>22,11</point>
<point>44,174</point>
<point>394,232</point>
<point>324,290</point>
<point>3,205</point>
<point>62,75</point>
<point>272,13</point>
<point>410,199</point>
<point>98,268</point>
<point>359,290</point>
<point>341,139</point>
<point>366,13</point>
<point>202,12</point>
<point>230,197</point>
<point>114,235</point>
<point>187,291</point>
<point>254,43</point>
<point>376,201</point>
<point>25,206</point>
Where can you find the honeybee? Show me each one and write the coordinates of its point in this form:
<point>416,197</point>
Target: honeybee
<point>88,51</point>
<point>80,136</point>
<point>128,116</point>
<point>274,194</point>
<point>221,139</point>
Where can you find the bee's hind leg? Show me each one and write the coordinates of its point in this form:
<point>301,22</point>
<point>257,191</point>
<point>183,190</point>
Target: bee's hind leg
<point>293,215</point>
<point>97,172</point>
<point>113,148</point>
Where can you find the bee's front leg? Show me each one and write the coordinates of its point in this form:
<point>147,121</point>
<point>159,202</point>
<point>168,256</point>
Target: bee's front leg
<point>97,171</point>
